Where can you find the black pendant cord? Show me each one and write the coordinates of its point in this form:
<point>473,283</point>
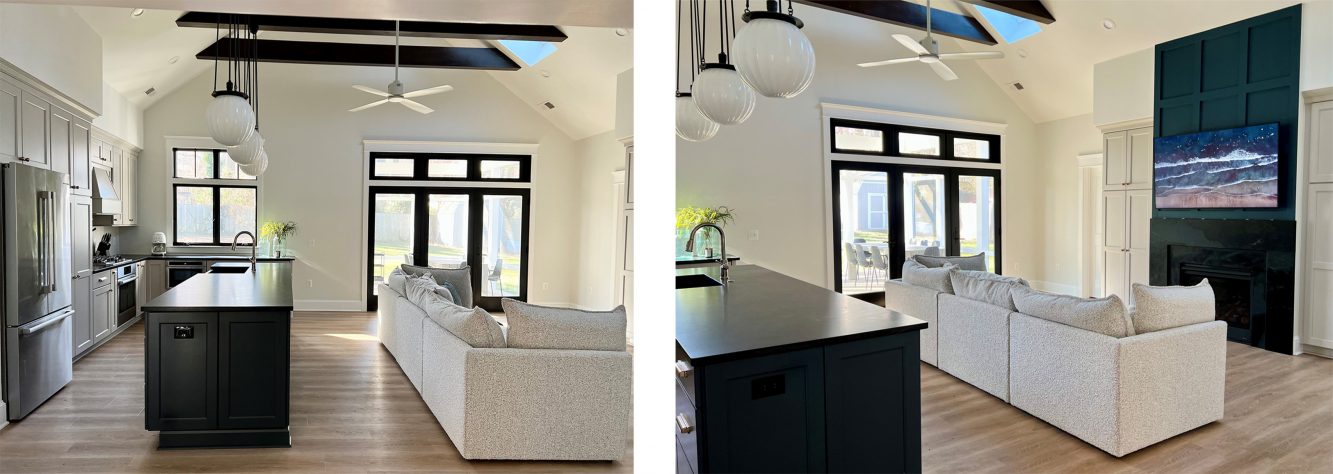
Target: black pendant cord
<point>703,32</point>
<point>679,11</point>
<point>217,35</point>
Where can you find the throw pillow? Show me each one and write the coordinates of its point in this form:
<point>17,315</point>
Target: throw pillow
<point>474,326</point>
<point>419,287</point>
<point>971,262</point>
<point>985,287</point>
<point>398,281</point>
<point>914,273</point>
<point>461,278</point>
<point>443,290</point>
<point>1166,307</point>
<point>1101,315</point>
<point>544,327</point>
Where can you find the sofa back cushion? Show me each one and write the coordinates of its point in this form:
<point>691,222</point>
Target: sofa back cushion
<point>1166,307</point>
<point>418,287</point>
<point>971,262</point>
<point>397,281</point>
<point>458,279</point>
<point>915,273</point>
<point>474,326</point>
<point>985,287</point>
<point>544,327</point>
<point>1101,315</point>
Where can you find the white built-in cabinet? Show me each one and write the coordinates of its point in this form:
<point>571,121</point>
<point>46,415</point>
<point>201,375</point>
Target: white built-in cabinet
<point>1317,329</point>
<point>1126,209</point>
<point>624,190</point>
<point>122,160</point>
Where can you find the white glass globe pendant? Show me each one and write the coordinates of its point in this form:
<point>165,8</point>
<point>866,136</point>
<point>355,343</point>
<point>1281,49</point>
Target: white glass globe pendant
<point>247,152</point>
<point>772,54</point>
<point>690,123</point>
<point>230,119</point>
<point>721,94</point>
<point>258,166</point>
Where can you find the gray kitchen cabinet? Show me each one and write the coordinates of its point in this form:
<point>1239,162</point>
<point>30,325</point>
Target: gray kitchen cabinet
<point>140,287</point>
<point>104,304</point>
<point>10,98</point>
<point>156,278</point>
<point>34,130</point>
<point>126,178</point>
<point>61,124</point>
<point>83,315</point>
<point>80,168</point>
<point>81,262</point>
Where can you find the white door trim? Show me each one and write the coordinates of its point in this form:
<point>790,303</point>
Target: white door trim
<point>1088,248</point>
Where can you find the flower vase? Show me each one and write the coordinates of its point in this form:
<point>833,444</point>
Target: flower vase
<point>279,247</point>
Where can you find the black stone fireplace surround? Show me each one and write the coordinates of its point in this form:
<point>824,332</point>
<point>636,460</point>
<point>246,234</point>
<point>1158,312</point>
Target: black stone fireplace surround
<point>1251,265</point>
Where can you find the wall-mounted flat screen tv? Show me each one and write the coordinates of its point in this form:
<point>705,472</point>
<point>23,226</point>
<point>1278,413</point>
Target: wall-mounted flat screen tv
<point>1220,169</point>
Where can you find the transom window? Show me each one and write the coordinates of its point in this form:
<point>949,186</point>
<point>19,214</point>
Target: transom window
<point>212,199</point>
<point>886,139</point>
<point>449,167</point>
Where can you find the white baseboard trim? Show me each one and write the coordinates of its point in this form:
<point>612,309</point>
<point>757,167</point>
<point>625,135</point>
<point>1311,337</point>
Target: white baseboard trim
<point>1057,287</point>
<point>4,415</point>
<point>1315,350</point>
<point>328,305</point>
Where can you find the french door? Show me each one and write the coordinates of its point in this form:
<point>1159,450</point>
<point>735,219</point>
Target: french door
<point>884,214</point>
<point>447,227</point>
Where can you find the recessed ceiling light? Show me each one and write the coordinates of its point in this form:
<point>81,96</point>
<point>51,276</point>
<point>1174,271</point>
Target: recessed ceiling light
<point>136,12</point>
<point>1022,53</point>
<point>1108,24</point>
<point>173,59</point>
<point>546,73</point>
<point>622,32</point>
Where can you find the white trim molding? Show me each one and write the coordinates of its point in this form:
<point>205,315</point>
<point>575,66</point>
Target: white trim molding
<point>1126,125</point>
<point>870,114</point>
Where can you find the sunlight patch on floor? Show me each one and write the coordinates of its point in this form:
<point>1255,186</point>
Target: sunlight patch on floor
<point>356,337</point>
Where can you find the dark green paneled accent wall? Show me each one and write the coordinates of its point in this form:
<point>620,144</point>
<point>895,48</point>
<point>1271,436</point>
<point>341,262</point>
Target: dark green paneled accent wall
<point>1242,74</point>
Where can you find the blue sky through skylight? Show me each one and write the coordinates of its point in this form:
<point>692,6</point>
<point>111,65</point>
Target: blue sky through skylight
<point>1011,28</point>
<point>531,52</point>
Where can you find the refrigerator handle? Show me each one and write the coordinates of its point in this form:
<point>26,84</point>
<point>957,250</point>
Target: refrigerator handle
<point>52,226</point>
<point>48,323</point>
<point>41,240</point>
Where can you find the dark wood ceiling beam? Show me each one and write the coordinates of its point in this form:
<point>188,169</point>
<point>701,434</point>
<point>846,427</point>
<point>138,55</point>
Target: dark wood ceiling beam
<point>911,15</point>
<point>349,54</point>
<point>372,27</point>
<point>1030,9</point>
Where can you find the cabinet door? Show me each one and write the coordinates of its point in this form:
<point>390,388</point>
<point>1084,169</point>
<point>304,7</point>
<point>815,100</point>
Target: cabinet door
<point>764,414</point>
<point>1318,329</point>
<point>872,391</point>
<point>157,278</point>
<point>1113,215</point>
<point>83,315</point>
<point>1140,158</point>
<point>62,124</point>
<point>140,287</point>
<point>118,183</point>
<point>1138,208</point>
<point>10,98</point>
<point>1115,265</point>
<point>80,231</point>
<point>130,186</point>
<point>1115,150</point>
<point>104,305</point>
<point>34,129</point>
<point>80,175</point>
<point>181,390</point>
<point>252,370</point>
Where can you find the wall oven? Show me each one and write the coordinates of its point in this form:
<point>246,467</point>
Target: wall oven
<point>178,272</point>
<point>127,281</point>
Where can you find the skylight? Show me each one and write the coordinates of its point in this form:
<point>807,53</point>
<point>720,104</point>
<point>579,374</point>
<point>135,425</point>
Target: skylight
<point>530,52</point>
<point>1011,28</point>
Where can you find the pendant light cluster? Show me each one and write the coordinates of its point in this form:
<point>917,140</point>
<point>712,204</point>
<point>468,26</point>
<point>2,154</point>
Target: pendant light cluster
<point>233,115</point>
<point>769,55</point>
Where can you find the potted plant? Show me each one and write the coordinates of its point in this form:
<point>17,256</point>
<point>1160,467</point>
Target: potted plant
<point>278,232</point>
<point>687,218</point>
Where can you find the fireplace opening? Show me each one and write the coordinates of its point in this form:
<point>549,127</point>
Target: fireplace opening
<point>1232,292</point>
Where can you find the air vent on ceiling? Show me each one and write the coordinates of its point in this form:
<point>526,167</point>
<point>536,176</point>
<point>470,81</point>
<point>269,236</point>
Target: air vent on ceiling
<point>150,91</point>
<point>1018,86</point>
<point>549,105</point>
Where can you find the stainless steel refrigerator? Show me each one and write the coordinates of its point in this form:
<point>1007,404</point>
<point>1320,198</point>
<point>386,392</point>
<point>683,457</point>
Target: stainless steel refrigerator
<point>37,343</point>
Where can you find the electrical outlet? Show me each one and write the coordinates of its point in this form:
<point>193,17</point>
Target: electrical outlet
<point>546,286</point>
<point>754,234</point>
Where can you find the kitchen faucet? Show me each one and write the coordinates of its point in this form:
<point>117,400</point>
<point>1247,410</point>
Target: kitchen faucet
<point>722,237</point>
<point>254,245</point>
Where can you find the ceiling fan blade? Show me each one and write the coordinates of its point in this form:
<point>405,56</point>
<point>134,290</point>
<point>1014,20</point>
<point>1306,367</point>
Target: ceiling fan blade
<point>426,92</point>
<point>367,106</point>
<point>416,106</point>
<point>371,90</point>
<point>944,71</point>
<point>891,61</point>
<point>911,44</point>
<point>978,55</point>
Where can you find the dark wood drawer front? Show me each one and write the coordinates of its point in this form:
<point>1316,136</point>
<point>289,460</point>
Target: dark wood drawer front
<point>764,414</point>
<point>182,372</point>
<point>873,412</point>
<point>687,442</point>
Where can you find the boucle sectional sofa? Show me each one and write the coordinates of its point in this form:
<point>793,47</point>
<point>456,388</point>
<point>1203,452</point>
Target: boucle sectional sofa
<point>555,387</point>
<point>1116,378</point>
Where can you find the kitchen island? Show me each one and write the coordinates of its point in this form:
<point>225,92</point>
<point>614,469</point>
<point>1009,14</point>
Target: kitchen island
<point>217,357</point>
<point>775,374</point>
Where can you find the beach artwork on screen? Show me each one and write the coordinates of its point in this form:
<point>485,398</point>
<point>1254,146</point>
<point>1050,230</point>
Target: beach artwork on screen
<point>1233,168</point>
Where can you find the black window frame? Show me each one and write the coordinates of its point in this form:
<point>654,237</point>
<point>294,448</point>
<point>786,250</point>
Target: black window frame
<point>217,212</point>
<point>421,166</point>
<point>217,165</point>
<point>890,133</point>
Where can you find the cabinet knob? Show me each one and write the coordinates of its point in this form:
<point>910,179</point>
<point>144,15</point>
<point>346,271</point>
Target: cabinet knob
<point>683,423</point>
<point>683,369</point>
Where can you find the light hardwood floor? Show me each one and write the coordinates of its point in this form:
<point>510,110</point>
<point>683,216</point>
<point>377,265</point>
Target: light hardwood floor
<point>1278,418</point>
<point>352,410</point>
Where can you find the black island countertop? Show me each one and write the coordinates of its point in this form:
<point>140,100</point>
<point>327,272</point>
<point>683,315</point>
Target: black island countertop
<point>761,310</point>
<point>266,288</point>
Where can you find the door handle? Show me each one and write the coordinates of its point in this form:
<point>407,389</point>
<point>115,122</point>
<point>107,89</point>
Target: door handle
<point>683,369</point>
<point>48,323</point>
<point>683,423</point>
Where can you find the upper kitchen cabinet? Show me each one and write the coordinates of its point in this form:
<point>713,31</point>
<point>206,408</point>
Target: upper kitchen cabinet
<point>80,171</point>
<point>41,131</point>
<point>60,124</point>
<point>34,129</point>
<point>123,162</point>
<point>10,96</point>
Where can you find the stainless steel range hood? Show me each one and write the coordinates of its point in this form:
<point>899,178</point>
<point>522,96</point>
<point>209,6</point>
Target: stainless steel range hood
<point>105,200</point>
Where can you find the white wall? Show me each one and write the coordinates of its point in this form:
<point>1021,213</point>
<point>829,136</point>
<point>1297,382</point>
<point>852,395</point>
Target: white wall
<point>315,175</point>
<point>120,117</point>
<point>1316,44</point>
<point>771,170</point>
<point>599,157</point>
<point>1059,144</point>
<point>1122,88</point>
<point>55,45</point>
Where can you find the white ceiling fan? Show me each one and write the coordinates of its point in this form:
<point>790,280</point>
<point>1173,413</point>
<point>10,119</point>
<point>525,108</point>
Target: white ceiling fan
<point>395,93</point>
<point>928,51</point>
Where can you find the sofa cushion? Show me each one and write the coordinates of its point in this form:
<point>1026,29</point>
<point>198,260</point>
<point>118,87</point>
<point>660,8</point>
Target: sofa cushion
<point>460,278</point>
<point>443,291</point>
<point>985,287</point>
<point>971,262</point>
<point>915,273</point>
<point>474,326</point>
<point>1101,315</point>
<point>397,281</point>
<point>543,327</point>
<point>1166,307</point>
<point>418,288</point>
